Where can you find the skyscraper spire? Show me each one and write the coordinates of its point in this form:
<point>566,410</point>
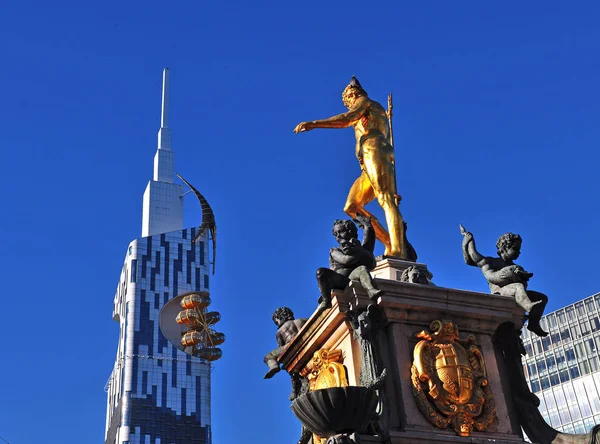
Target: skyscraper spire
<point>164,117</point>
<point>164,134</point>
<point>163,204</point>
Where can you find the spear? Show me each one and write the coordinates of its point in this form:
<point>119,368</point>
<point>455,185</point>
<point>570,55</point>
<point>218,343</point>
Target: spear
<point>397,197</point>
<point>389,116</point>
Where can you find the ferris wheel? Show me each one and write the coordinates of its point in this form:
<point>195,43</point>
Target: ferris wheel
<point>200,336</point>
<point>186,322</point>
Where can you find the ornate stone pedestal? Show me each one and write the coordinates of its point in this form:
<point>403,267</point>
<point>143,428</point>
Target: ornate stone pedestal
<point>391,268</point>
<point>386,339</point>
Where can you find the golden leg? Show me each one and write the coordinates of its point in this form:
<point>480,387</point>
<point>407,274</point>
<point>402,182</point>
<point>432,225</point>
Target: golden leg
<point>361,193</point>
<point>380,171</point>
<point>394,220</point>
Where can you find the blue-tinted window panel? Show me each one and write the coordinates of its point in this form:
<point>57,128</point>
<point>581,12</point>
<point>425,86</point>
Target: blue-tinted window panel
<point>574,372</point>
<point>589,424</point>
<point>590,347</point>
<point>560,359</point>
<point>538,346</point>
<point>578,426</point>
<point>133,277</point>
<point>589,305</point>
<point>585,327</point>
<point>531,369</point>
<point>546,343</point>
<point>570,355</point>
<point>579,350</point>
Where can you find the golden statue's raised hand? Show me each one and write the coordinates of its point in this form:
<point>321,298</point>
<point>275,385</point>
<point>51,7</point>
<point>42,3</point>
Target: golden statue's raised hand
<point>303,127</point>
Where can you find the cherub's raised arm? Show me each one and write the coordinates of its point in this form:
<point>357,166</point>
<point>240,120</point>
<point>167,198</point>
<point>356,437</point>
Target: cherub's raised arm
<point>343,120</point>
<point>369,237</point>
<point>470,253</point>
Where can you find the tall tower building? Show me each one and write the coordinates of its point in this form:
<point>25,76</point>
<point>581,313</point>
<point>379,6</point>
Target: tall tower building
<point>563,369</point>
<point>156,393</point>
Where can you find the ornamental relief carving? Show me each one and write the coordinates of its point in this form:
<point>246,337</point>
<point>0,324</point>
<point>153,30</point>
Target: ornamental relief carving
<point>449,380</point>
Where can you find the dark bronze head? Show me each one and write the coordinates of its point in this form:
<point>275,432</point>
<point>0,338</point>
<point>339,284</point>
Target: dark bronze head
<point>344,230</point>
<point>509,246</point>
<point>416,275</point>
<point>282,315</point>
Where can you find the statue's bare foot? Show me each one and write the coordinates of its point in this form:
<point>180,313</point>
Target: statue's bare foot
<point>537,329</point>
<point>528,307</point>
<point>374,293</point>
<point>324,303</point>
<point>272,371</point>
<point>388,252</point>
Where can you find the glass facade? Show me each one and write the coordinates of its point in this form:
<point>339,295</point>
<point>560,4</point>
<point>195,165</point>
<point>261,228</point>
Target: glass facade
<point>563,369</point>
<point>156,393</point>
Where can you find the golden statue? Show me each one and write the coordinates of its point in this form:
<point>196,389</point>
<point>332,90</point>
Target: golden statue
<point>375,153</point>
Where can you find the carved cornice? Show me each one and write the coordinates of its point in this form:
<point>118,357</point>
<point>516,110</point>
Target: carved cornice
<point>413,303</point>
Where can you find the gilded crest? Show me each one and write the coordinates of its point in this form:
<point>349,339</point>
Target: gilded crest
<point>325,370</point>
<point>450,380</point>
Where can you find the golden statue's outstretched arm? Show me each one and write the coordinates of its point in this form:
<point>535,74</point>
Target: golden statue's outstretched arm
<point>343,120</point>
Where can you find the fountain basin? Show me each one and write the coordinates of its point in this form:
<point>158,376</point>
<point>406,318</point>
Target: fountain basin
<point>336,410</point>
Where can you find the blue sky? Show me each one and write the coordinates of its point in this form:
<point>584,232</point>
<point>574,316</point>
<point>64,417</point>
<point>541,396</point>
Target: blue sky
<point>496,127</point>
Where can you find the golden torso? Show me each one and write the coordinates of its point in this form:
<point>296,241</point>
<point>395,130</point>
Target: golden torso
<point>372,124</point>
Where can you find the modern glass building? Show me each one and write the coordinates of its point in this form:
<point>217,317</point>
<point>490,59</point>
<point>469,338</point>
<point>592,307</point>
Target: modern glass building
<point>563,369</point>
<point>156,393</point>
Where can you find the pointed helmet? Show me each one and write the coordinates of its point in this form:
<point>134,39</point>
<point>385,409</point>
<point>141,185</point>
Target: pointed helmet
<point>352,91</point>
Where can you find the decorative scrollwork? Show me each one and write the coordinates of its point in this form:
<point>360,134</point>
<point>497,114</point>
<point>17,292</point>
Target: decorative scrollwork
<point>325,370</point>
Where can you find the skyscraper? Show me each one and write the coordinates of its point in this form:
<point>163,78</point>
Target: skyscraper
<point>156,393</point>
<point>563,369</point>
